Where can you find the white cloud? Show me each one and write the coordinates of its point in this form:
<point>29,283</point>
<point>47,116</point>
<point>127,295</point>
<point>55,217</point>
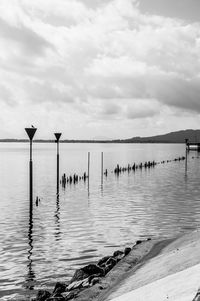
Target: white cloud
<point>96,63</point>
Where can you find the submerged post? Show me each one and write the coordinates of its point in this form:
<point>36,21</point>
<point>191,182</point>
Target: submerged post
<point>57,135</point>
<point>31,132</point>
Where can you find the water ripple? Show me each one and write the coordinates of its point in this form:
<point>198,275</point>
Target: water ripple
<point>84,225</point>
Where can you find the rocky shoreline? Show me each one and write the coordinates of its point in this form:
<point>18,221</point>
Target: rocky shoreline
<point>91,281</point>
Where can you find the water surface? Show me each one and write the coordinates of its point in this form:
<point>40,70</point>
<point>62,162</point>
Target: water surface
<point>87,221</point>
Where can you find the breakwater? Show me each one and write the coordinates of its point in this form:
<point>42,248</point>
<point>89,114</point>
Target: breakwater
<point>88,276</point>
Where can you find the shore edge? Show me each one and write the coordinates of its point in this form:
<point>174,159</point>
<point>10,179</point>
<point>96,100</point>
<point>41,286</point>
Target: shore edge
<point>138,256</point>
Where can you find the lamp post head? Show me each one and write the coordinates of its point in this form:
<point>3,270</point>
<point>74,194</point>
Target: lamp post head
<point>30,132</point>
<point>57,135</point>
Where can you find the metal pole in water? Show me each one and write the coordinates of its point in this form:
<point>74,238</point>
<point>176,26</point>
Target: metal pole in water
<point>31,176</point>
<point>31,132</point>
<point>57,135</point>
<point>58,167</point>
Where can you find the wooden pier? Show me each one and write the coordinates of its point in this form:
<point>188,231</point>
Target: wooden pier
<point>193,146</point>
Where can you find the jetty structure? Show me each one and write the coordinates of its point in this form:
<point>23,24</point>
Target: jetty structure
<point>192,145</point>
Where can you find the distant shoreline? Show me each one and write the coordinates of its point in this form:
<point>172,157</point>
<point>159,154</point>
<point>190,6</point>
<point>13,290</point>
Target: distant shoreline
<point>90,141</point>
<point>178,137</point>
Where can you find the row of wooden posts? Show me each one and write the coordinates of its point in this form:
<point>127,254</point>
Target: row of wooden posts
<point>148,164</point>
<point>75,178</point>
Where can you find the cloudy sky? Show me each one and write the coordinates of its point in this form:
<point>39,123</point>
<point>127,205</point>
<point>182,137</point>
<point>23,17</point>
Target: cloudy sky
<point>91,68</point>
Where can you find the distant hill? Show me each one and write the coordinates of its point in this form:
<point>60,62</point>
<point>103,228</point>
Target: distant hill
<point>173,137</point>
<point>101,138</point>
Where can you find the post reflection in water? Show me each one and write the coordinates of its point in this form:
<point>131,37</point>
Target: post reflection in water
<point>186,161</point>
<point>101,186</point>
<point>30,277</point>
<point>88,184</point>
<point>101,171</point>
<point>57,218</point>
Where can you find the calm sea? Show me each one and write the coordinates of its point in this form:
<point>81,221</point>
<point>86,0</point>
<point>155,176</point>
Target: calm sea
<point>88,221</point>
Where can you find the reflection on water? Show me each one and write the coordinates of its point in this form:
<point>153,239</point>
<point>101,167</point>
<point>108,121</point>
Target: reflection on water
<point>57,218</point>
<point>29,280</point>
<point>83,222</point>
<point>186,162</point>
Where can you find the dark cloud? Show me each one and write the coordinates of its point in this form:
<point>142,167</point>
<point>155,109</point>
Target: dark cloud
<point>47,92</point>
<point>169,89</point>
<point>6,96</point>
<point>142,108</point>
<point>118,87</point>
<point>141,112</point>
<point>58,21</point>
<point>31,42</point>
<point>95,3</point>
<point>183,9</point>
<point>176,92</point>
<point>111,108</point>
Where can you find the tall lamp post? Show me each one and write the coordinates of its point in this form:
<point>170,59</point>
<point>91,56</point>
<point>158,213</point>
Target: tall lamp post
<point>31,132</point>
<point>57,135</point>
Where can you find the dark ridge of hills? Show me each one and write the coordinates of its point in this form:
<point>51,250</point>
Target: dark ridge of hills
<point>173,137</point>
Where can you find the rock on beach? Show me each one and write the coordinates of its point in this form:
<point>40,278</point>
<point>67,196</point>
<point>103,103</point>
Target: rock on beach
<point>85,278</point>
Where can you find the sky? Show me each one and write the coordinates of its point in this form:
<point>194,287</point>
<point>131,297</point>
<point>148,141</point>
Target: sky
<point>99,68</point>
